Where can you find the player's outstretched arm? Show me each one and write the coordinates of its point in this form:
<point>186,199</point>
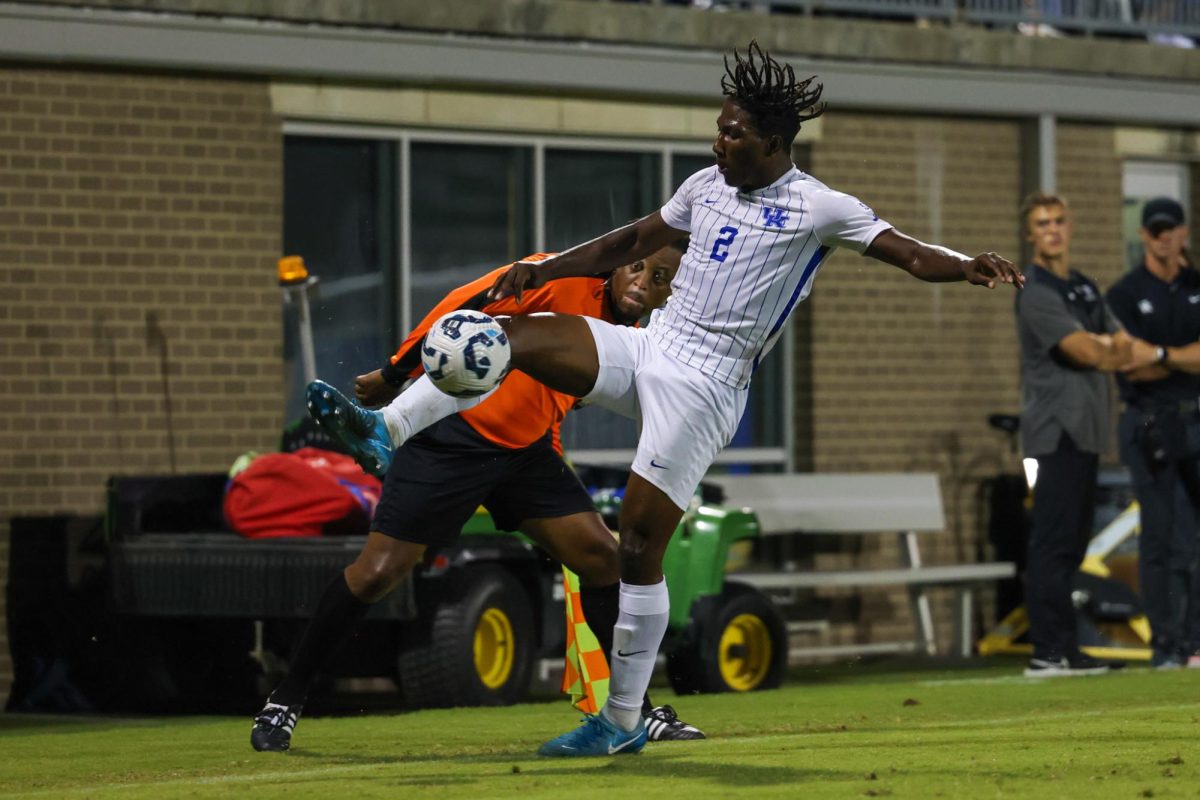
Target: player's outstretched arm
<point>625,245</point>
<point>935,263</point>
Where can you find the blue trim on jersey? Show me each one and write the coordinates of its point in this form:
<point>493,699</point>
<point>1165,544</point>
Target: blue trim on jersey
<point>809,268</point>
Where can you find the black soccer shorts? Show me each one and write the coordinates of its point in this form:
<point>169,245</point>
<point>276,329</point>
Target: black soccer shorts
<point>442,475</point>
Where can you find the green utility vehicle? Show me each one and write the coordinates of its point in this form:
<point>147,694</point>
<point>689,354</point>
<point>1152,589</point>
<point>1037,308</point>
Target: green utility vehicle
<point>205,612</point>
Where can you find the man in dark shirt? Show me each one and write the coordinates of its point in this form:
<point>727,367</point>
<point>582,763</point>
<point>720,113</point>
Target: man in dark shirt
<point>1068,341</point>
<point>1159,300</point>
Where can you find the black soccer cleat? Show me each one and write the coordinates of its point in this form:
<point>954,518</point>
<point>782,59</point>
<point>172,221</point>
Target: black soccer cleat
<point>664,725</point>
<point>273,727</point>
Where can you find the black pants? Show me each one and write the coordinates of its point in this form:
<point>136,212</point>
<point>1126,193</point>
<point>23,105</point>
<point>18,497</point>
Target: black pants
<point>1168,547</point>
<point>1064,502</point>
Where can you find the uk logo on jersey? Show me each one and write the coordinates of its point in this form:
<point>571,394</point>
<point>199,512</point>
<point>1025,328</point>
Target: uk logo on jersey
<point>774,217</point>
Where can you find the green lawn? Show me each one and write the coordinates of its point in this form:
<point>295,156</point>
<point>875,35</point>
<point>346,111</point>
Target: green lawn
<point>833,732</point>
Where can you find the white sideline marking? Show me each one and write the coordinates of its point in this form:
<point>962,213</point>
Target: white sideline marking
<point>1017,679</point>
<point>998,721</point>
<point>999,679</point>
<point>299,775</point>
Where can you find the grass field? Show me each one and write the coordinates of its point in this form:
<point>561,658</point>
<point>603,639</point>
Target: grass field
<point>833,732</point>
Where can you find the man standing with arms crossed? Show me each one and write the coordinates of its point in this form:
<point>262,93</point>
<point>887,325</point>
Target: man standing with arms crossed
<point>1068,342</point>
<point>760,230</point>
<point>1159,301</point>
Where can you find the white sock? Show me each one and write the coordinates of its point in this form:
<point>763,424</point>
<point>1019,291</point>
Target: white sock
<point>641,625</point>
<point>421,405</point>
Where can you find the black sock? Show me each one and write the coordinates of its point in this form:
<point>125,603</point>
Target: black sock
<point>601,605</point>
<point>337,616</point>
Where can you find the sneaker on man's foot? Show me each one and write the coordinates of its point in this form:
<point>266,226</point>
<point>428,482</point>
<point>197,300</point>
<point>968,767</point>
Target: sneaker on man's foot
<point>664,725</point>
<point>596,737</point>
<point>273,727</point>
<point>1166,661</point>
<point>361,430</point>
<point>1062,666</point>
<point>1084,661</point>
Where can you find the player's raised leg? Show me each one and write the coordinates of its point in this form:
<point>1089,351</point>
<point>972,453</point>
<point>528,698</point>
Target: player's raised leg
<point>555,349</point>
<point>374,436</point>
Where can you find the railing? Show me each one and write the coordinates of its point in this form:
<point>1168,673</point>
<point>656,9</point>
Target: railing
<point>1092,16</point>
<point>909,9</point>
<point>1128,17</point>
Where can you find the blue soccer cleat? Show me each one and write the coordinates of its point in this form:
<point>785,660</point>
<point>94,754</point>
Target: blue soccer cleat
<point>364,432</point>
<point>596,737</point>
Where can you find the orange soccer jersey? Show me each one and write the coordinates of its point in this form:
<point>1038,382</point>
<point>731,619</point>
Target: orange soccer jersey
<point>521,410</point>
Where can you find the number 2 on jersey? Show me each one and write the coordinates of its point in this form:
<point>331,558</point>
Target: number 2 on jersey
<point>720,249</point>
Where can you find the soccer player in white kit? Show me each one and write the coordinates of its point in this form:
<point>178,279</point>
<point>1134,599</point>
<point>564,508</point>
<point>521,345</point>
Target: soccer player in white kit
<point>760,231</point>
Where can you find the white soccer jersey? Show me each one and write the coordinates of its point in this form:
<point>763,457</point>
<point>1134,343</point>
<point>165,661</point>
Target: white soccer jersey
<point>752,257</point>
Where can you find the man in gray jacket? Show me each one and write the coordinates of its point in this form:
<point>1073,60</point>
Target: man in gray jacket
<point>1068,341</point>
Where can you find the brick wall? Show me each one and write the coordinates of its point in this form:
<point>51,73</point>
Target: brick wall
<point>904,373</point>
<point>139,216</point>
<point>1089,176</point>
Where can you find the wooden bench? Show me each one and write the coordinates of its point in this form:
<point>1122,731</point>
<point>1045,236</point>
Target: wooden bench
<point>903,504</point>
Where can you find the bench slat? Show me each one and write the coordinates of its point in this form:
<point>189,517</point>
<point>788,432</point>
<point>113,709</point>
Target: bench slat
<point>929,576</point>
<point>838,502</point>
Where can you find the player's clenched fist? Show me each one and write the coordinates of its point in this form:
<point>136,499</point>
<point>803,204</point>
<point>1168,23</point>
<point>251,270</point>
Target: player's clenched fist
<point>371,389</point>
<point>520,276</point>
<point>989,269</point>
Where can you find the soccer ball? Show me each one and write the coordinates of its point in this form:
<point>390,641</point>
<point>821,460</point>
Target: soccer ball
<point>465,353</point>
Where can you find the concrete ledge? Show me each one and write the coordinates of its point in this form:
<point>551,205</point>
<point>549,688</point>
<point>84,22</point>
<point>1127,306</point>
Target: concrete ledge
<point>687,28</point>
<point>42,34</point>
<point>321,101</point>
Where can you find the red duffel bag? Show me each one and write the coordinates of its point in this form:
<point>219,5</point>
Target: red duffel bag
<point>306,493</point>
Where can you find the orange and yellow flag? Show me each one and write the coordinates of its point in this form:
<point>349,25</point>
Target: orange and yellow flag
<point>585,676</point>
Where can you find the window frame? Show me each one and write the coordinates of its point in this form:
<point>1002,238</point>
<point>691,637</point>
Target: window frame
<point>404,137</point>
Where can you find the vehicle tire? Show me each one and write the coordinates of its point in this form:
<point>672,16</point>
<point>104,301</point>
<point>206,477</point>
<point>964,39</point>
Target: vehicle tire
<point>478,648</point>
<point>735,642</point>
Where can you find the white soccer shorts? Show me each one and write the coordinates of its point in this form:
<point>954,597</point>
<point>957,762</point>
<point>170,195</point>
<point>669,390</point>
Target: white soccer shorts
<point>685,417</point>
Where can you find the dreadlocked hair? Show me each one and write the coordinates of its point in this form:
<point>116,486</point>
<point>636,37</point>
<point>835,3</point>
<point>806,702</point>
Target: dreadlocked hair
<point>769,92</point>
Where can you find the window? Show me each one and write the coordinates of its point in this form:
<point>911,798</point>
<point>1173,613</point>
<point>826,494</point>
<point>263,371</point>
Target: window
<point>590,193</point>
<point>684,166</point>
<point>471,211</point>
<point>587,194</point>
<point>339,214</point>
